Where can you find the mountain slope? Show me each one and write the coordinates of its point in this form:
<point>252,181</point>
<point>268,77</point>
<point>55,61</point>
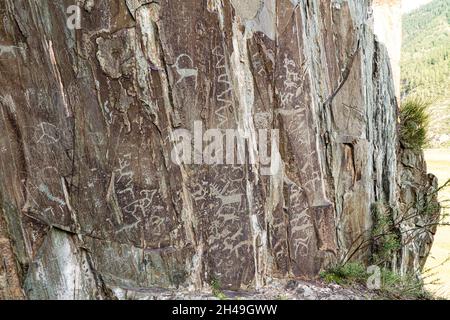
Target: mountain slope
<point>426,64</point>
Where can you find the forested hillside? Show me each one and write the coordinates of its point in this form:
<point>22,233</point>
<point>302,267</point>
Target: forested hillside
<point>426,64</point>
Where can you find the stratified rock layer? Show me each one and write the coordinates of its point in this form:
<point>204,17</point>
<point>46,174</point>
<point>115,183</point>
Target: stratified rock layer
<point>92,203</point>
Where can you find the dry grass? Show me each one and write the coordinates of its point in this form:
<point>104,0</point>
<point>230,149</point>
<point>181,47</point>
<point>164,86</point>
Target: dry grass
<point>438,161</point>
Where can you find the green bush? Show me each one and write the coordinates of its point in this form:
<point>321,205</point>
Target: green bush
<point>385,239</point>
<point>414,122</point>
<point>393,285</point>
<point>349,273</point>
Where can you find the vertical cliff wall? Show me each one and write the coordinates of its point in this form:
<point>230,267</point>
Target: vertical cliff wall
<point>92,198</point>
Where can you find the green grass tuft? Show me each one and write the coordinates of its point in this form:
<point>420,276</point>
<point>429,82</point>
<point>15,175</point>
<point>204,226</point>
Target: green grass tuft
<point>349,273</point>
<point>394,286</point>
<point>414,121</point>
<point>216,287</point>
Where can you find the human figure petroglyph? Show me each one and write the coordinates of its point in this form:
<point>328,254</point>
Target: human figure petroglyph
<point>292,77</point>
<point>124,179</point>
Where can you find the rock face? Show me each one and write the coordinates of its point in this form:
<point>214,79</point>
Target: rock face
<point>94,195</point>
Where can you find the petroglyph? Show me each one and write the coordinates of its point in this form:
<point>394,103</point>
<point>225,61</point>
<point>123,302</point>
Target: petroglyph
<point>125,176</point>
<point>139,208</point>
<point>222,204</point>
<point>224,88</point>
<point>295,109</point>
<point>44,189</point>
<point>46,133</point>
<point>301,226</point>
<point>219,192</point>
<point>183,72</point>
<point>87,119</point>
<point>222,192</point>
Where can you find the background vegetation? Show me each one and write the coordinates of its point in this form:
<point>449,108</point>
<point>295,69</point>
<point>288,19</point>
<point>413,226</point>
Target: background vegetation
<point>426,75</point>
<point>426,65</point>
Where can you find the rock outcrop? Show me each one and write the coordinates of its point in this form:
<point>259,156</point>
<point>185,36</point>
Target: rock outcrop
<point>95,203</point>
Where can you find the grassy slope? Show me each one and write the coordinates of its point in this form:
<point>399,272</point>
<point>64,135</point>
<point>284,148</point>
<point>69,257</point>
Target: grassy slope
<point>426,64</point>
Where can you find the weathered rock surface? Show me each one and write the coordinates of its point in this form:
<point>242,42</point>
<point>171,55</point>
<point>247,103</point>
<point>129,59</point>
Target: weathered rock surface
<point>92,203</point>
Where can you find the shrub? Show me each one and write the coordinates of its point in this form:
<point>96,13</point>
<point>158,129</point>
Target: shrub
<point>216,287</point>
<point>414,122</point>
<point>385,239</point>
<point>349,273</point>
<point>393,285</point>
